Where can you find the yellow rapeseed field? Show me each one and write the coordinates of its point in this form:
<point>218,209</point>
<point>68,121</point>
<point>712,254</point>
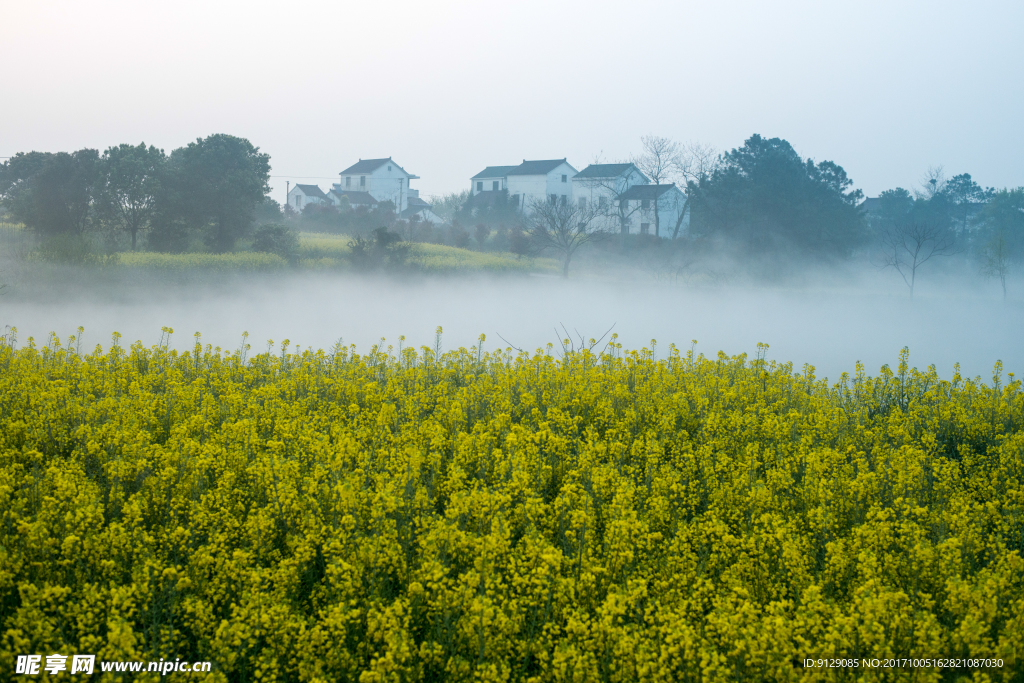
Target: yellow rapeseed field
<point>565,515</point>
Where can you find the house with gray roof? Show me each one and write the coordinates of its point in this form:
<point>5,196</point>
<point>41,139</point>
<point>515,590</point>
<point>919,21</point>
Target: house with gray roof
<point>301,196</point>
<point>530,181</point>
<point>382,179</point>
<point>354,200</point>
<point>659,210</point>
<point>599,186</point>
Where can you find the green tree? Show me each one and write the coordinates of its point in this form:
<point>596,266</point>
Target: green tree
<point>128,186</point>
<point>765,197</point>
<point>966,198</point>
<point>51,193</point>
<point>212,190</point>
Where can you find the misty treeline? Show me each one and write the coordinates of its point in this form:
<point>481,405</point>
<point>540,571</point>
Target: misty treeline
<point>205,196</point>
<point>760,209</point>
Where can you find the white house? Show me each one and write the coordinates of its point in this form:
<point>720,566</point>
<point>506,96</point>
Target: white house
<point>301,196</point>
<point>420,210</point>
<point>598,186</point>
<point>354,200</point>
<point>530,181</point>
<point>382,179</point>
<point>491,179</point>
<point>655,209</point>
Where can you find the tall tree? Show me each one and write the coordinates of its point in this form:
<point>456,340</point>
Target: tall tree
<point>212,189</point>
<point>128,186</point>
<point>562,227</point>
<point>765,197</point>
<point>51,193</point>
<point>966,199</point>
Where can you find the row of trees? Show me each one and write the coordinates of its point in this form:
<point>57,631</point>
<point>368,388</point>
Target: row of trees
<point>208,192</point>
<point>949,217</point>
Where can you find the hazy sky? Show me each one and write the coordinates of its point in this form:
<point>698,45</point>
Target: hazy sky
<point>885,89</point>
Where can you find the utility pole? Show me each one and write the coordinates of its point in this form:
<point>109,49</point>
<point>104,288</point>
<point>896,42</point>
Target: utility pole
<point>287,191</point>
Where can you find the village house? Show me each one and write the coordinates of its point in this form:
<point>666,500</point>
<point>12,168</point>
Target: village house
<point>350,199</point>
<point>300,196</point>
<point>530,181</point>
<point>658,210</point>
<point>382,179</point>
<point>599,186</point>
<point>420,210</point>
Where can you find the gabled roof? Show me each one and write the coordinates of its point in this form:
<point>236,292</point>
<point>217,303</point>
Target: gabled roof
<point>311,190</point>
<point>647,191</point>
<point>871,205</point>
<point>493,172</point>
<point>419,203</point>
<point>538,167</point>
<point>371,165</point>
<point>485,198</point>
<point>606,171</point>
<point>355,198</point>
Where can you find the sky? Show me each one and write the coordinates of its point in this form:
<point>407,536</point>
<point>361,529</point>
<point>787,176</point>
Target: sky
<point>885,89</point>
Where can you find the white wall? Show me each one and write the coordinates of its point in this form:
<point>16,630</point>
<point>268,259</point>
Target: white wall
<point>530,188</point>
<point>488,184</point>
<point>298,200</point>
<point>670,207</point>
<point>555,186</point>
<point>382,184</point>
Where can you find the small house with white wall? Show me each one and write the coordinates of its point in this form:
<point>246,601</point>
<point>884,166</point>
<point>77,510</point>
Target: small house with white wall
<point>351,200</point>
<point>301,196</point>
<point>598,187</point>
<point>382,179</point>
<point>658,210</point>
<point>421,211</point>
<point>530,181</point>
<point>491,179</point>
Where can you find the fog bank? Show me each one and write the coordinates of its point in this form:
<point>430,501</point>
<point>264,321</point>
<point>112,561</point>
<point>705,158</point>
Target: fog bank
<point>830,329</point>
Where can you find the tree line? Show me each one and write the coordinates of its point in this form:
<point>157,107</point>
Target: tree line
<point>206,194</point>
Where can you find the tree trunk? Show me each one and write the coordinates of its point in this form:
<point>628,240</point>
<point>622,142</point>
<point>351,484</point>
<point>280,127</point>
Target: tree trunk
<point>565,267</point>
<point>679,221</point>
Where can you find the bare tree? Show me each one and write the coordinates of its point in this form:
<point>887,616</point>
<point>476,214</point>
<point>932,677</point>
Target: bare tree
<point>697,163</point>
<point>932,182</point>
<point>447,205</point>
<point>607,190</point>
<point>995,259</point>
<point>909,245</point>
<point>563,227</point>
<point>660,161</point>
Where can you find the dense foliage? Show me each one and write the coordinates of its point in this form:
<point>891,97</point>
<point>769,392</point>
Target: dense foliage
<point>764,197</point>
<point>401,516</point>
<point>204,194</point>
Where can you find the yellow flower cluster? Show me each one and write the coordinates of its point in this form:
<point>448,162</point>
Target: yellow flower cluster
<point>566,515</point>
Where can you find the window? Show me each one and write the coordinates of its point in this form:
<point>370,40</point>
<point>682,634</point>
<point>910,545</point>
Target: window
<point>494,185</point>
<point>389,168</point>
<point>583,203</point>
<point>645,204</point>
<point>645,228</point>
<point>362,181</point>
<point>601,202</point>
<point>563,200</point>
<point>348,181</point>
<point>479,186</point>
<point>552,199</point>
<point>298,200</point>
<point>565,178</point>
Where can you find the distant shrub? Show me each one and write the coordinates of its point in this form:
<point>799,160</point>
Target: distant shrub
<point>383,250</point>
<point>245,261</point>
<point>73,250</point>
<point>274,238</point>
<point>457,236</point>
